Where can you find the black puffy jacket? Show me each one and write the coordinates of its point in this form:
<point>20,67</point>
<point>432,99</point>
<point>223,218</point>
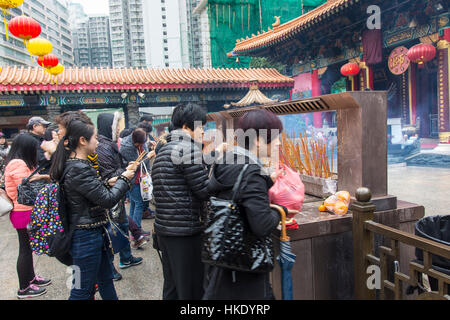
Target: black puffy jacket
<point>87,197</point>
<point>179,187</point>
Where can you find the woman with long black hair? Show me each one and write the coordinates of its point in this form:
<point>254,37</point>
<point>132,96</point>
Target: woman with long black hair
<point>88,200</point>
<point>20,163</point>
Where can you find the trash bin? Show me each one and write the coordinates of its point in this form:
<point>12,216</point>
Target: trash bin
<point>436,228</point>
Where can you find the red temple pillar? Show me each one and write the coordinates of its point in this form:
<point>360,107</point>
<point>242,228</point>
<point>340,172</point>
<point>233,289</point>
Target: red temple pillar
<point>316,91</point>
<point>412,93</point>
<point>443,86</point>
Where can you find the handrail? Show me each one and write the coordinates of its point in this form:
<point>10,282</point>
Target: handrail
<point>433,247</point>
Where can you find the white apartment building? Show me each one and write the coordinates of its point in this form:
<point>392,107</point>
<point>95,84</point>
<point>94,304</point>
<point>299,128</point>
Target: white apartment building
<point>172,34</point>
<point>53,16</point>
<point>127,33</point>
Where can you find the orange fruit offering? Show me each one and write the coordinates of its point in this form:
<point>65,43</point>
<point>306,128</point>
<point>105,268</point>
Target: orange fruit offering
<point>322,208</point>
<point>344,196</point>
<point>340,208</point>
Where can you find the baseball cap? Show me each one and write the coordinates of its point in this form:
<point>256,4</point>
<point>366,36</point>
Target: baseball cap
<point>37,120</point>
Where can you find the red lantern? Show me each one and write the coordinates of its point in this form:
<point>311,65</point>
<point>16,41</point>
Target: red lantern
<point>350,69</point>
<point>25,28</point>
<point>48,61</point>
<point>40,61</point>
<point>422,53</point>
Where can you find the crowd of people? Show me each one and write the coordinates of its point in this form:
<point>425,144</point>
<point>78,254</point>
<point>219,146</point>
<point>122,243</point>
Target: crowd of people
<point>98,170</point>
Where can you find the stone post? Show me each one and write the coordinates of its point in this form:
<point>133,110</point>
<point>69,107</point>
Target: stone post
<point>132,115</point>
<point>52,110</point>
<point>362,210</point>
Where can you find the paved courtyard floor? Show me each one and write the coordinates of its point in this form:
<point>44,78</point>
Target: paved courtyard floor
<point>142,282</point>
<point>425,186</point>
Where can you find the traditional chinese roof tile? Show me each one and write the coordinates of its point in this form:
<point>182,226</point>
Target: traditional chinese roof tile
<point>285,30</point>
<point>29,79</point>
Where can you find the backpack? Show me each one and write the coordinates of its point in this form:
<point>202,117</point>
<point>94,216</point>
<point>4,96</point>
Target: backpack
<point>49,229</point>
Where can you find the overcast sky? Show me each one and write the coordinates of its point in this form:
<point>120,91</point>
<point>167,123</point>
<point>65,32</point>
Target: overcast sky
<point>94,6</point>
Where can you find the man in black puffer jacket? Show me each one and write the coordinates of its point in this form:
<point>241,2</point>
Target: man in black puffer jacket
<point>180,183</point>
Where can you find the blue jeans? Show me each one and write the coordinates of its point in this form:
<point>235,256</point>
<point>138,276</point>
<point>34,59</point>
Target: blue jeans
<point>92,265</point>
<point>125,254</point>
<point>136,204</point>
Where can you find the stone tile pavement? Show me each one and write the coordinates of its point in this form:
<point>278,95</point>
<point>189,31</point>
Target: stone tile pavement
<point>143,282</point>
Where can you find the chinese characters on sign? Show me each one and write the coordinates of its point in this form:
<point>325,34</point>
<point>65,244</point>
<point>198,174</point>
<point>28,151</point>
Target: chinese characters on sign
<point>398,61</point>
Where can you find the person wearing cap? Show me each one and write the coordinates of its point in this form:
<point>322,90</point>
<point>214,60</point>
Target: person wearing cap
<point>36,128</point>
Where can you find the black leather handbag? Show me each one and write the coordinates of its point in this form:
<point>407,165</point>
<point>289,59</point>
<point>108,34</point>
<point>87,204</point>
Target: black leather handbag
<point>228,241</point>
<point>27,191</point>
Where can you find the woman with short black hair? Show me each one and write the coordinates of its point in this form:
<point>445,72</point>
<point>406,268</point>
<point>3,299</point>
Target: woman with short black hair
<point>260,131</point>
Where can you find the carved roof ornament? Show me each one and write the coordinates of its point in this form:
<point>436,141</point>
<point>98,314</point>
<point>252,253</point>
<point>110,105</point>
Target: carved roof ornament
<point>277,22</point>
<point>254,96</point>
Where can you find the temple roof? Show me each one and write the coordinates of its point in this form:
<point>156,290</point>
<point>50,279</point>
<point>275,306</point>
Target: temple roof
<point>29,79</point>
<point>290,28</point>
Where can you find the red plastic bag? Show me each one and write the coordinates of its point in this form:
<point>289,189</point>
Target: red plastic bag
<point>288,190</point>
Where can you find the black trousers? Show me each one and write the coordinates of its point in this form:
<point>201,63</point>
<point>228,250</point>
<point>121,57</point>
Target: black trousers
<point>182,267</point>
<point>25,268</point>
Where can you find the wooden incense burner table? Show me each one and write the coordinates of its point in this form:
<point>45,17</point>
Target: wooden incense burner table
<point>323,244</point>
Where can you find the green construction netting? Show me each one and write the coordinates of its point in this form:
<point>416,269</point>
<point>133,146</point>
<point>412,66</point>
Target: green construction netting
<point>235,19</point>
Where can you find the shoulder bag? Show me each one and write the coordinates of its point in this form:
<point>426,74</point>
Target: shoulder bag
<point>228,241</point>
<point>27,191</point>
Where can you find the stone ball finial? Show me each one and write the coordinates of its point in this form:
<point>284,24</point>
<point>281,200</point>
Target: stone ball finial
<point>363,195</point>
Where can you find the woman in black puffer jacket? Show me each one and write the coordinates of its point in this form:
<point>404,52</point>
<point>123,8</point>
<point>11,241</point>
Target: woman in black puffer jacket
<point>180,182</point>
<point>87,199</point>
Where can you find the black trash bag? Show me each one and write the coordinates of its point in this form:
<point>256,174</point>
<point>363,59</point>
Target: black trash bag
<point>436,228</point>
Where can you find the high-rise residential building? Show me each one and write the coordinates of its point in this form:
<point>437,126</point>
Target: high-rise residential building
<point>53,16</point>
<point>91,38</point>
<point>127,33</point>
<point>172,34</point>
<point>194,35</point>
<point>80,36</point>
<point>99,41</point>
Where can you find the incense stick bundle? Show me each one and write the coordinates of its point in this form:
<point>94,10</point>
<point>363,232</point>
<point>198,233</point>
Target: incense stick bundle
<point>307,156</point>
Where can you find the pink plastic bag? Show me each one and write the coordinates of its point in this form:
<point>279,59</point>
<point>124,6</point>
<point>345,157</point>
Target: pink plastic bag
<point>288,190</point>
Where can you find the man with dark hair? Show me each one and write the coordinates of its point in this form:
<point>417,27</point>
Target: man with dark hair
<point>180,192</point>
<point>130,148</point>
<point>36,128</point>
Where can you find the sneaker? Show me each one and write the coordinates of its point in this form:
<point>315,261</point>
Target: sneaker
<point>133,262</point>
<point>146,233</point>
<point>41,282</point>
<point>140,243</point>
<point>117,276</point>
<point>148,214</point>
<point>31,292</point>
